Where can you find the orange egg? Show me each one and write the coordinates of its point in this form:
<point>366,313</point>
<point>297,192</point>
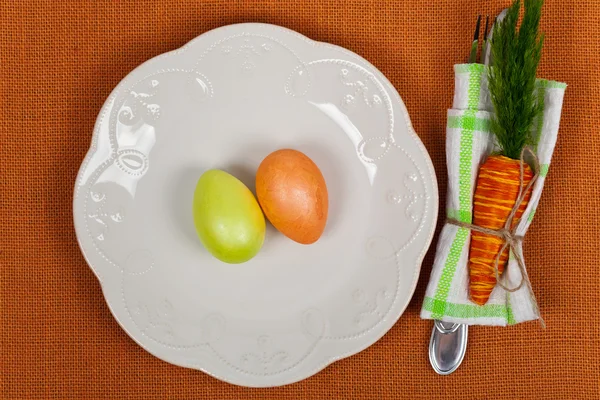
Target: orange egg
<point>292,193</point>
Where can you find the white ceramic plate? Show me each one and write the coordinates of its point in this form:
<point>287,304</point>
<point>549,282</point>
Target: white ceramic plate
<point>226,100</point>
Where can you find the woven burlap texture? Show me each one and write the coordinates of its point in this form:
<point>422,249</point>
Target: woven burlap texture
<point>59,60</point>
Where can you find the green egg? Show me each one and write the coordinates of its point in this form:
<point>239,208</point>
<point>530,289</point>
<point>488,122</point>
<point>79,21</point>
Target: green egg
<point>228,219</point>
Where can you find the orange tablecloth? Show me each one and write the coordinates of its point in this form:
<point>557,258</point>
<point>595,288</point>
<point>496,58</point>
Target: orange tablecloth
<point>59,60</point>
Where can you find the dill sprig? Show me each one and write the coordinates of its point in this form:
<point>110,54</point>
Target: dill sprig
<point>511,79</point>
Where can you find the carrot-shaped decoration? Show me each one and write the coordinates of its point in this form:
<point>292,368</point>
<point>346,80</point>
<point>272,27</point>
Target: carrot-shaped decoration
<point>511,81</point>
<point>495,195</point>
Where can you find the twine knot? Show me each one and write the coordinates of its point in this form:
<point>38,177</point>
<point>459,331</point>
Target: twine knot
<point>507,236</point>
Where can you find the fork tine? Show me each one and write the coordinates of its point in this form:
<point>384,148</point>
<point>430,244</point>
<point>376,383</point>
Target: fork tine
<point>473,54</point>
<point>485,31</point>
<point>476,35</point>
<point>483,56</point>
<point>487,56</point>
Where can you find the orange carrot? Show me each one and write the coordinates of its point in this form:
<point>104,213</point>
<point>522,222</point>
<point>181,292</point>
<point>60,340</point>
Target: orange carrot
<point>511,82</point>
<point>495,195</point>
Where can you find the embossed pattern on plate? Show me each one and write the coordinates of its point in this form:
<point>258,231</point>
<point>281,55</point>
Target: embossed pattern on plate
<point>226,100</point>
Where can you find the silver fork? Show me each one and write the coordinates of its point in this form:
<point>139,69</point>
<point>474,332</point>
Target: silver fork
<point>448,343</point>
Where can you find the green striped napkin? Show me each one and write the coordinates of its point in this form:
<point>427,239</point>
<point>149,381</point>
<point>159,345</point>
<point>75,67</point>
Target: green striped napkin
<point>468,143</point>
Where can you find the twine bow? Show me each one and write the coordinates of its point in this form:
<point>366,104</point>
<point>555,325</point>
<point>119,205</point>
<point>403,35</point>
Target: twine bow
<point>509,234</point>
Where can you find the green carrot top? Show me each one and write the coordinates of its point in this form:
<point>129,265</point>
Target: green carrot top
<point>511,78</point>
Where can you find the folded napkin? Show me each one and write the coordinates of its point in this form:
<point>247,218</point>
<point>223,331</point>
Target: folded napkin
<point>468,143</point>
